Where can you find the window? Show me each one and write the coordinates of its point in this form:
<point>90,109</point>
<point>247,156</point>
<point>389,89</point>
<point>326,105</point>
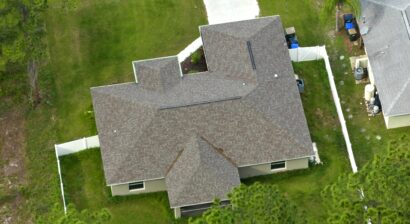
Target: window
<point>136,186</point>
<point>278,165</point>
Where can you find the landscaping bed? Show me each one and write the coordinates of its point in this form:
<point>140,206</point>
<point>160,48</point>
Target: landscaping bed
<point>195,63</point>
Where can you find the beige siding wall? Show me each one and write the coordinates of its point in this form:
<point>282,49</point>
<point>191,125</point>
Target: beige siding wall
<point>264,169</point>
<point>297,164</point>
<point>150,186</point>
<point>371,76</point>
<point>177,212</point>
<point>397,121</point>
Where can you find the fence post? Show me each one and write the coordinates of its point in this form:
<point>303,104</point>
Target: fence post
<point>61,178</point>
<point>85,143</point>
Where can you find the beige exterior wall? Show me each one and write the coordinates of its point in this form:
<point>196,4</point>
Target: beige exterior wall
<point>397,121</point>
<point>370,71</point>
<point>264,169</point>
<point>149,186</point>
<point>297,164</point>
<point>177,212</point>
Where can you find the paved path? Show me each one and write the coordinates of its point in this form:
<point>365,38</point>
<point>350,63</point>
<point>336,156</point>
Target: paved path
<point>221,11</point>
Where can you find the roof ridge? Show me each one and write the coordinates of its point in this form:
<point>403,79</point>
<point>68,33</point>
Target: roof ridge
<point>399,95</point>
<point>219,151</point>
<point>187,181</point>
<point>120,97</point>
<point>262,27</point>
<point>389,5</point>
<point>273,122</point>
<point>173,162</point>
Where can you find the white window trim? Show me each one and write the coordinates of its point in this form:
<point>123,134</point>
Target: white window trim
<point>139,189</point>
<point>279,169</point>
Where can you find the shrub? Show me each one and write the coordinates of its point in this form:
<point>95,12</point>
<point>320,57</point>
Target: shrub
<point>196,57</point>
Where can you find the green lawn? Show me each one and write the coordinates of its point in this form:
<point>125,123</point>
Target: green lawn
<point>301,14</point>
<point>85,187</point>
<point>363,129</point>
<point>91,46</point>
<point>304,186</point>
<point>95,45</point>
<point>84,181</point>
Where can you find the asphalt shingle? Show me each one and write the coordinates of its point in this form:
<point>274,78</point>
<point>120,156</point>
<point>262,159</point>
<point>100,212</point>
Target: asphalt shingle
<point>253,115</point>
<point>388,48</point>
<point>200,174</point>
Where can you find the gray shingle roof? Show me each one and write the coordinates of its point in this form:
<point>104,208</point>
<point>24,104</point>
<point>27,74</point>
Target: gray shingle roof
<point>159,74</point>
<point>200,174</point>
<point>254,118</point>
<point>388,47</point>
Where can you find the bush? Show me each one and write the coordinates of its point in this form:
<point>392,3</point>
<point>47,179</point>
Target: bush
<point>196,57</point>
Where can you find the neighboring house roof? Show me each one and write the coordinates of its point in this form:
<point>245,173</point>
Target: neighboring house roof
<point>200,174</point>
<point>250,110</point>
<point>388,48</point>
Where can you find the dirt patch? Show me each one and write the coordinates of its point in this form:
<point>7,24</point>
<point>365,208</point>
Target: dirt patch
<point>195,63</point>
<point>12,164</point>
<point>327,120</point>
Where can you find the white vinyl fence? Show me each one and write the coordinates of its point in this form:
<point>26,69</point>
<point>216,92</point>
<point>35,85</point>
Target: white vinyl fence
<point>191,48</point>
<point>69,148</point>
<point>306,54</point>
<point>317,53</point>
<point>77,145</point>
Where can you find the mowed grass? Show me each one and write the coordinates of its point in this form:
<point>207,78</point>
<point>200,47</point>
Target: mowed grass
<point>301,14</point>
<point>90,46</point>
<point>85,185</point>
<point>368,134</point>
<point>95,44</point>
<point>304,186</point>
<point>85,188</point>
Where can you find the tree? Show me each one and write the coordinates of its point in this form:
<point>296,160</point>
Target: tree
<point>379,192</point>
<point>22,32</point>
<point>257,203</point>
<point>74,216</point>
<point>330,6</point>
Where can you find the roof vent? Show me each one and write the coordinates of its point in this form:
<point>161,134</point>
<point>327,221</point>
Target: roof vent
<point>248,43</point>
<point>276,75</point>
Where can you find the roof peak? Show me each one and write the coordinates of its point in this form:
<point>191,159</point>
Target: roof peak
<point>237,30</point>
<point>199,174</point>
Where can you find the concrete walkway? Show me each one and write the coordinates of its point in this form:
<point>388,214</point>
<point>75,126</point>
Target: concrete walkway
<point>222,11</point>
